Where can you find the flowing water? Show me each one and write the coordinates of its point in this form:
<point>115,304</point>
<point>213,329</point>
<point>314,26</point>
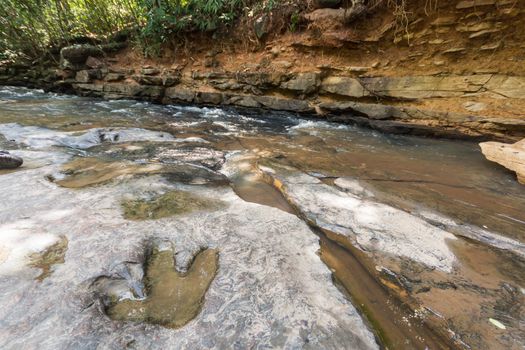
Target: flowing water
<point>327,235</point>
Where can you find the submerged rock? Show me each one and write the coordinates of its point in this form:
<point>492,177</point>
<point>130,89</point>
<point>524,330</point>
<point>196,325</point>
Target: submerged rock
<point>9,161</point>
<point>511,156</point>
<point>79,53</point>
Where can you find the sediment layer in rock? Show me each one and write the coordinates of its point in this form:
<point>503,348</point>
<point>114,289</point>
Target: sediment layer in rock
<point>390,104</point>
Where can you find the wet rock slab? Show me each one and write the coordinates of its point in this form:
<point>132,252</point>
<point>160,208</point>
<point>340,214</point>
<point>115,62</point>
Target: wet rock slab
<point>271,288</point>
<point>372,226</point>
<point>457,298</point>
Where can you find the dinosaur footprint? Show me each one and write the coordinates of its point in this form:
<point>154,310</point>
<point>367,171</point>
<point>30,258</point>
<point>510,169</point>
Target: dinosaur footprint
<point>173,298</point>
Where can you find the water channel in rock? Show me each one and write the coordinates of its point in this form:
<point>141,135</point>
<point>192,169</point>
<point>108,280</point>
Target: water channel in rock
<point>324,235</point>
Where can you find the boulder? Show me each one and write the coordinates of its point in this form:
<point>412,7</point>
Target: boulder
<point>322,16</point>
<point>243,101</point>
<point>511,156</point>
<point>262,80</point>
<point>369,110</point>
<point>123,90</point>
<point>113,47</point>
<point>284,104</point>
<point>86,76</point>
<point>114,77</point>
<point>179,94</point>
<point>170,80</point>
<point>213,98</point>
<point>89,87</point>
<point>9,161</point>
<point>344,86</point>
<point>94,63</point>
<point>148,80</point>
<point>78,54</point>
<point>305,83</point>
<point>326,14</point>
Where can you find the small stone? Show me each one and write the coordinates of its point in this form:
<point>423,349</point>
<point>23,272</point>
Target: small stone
<point>436,42</point>
<point>474,3</point>
<point>497,323</point>
<point>475,27</point>
<point>358,69</point>
<point>9,161</point>
<point>442,30</point>
<point>149,71</point>
<point>444,21</point>
<point>492,46</point>
<point>455,50</point>
<point>482,33</point>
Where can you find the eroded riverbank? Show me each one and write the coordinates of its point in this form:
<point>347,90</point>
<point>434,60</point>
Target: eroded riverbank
<point>102,176</point>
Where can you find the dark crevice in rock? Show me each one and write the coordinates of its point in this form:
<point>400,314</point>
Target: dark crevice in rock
<point>354,272</point>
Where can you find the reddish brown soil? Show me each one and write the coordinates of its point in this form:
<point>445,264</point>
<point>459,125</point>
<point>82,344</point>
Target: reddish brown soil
<point>384,44</point>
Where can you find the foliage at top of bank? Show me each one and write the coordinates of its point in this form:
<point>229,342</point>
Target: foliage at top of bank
<point>30,27</point>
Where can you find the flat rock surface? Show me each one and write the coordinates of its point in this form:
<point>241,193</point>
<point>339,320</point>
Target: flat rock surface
<point>372,226</point>
<point>102,180</point>
<point>271,288</point>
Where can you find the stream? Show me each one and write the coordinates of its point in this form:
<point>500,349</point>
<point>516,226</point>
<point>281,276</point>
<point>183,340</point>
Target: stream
<point>134,225</point>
